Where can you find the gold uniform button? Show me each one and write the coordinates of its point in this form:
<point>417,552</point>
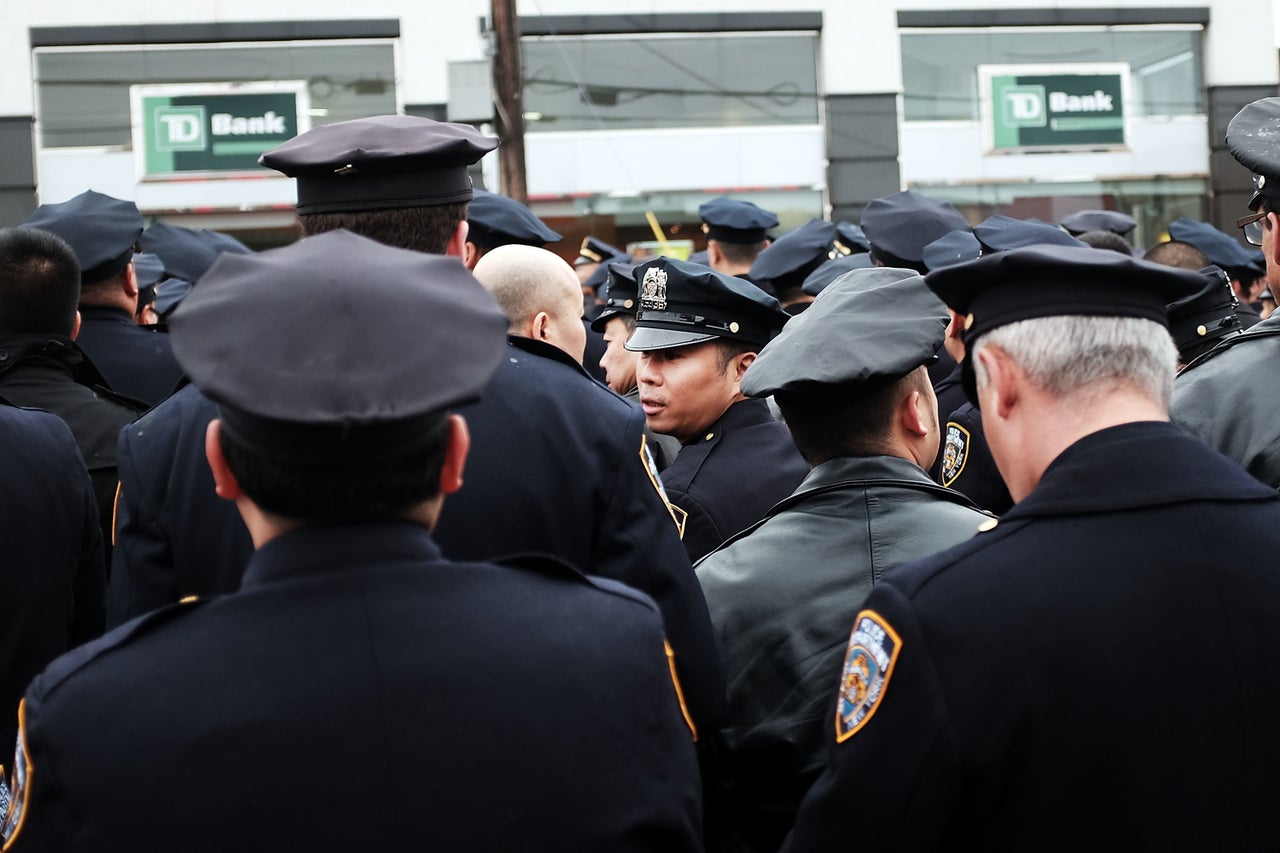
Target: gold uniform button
<point>1201,331</point>
<point>710,436</point>
<point>188,599</point>
<point>733,327</point>
<point>968,322</point>
<point>989,524</point>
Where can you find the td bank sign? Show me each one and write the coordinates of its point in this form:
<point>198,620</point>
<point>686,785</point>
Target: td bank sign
<point>1054,108</point>
<point>213,127</point>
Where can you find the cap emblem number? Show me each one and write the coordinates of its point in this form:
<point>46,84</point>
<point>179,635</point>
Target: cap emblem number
<point>653,290</point>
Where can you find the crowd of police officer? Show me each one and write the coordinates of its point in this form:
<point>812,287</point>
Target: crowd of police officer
<point>876,533</point>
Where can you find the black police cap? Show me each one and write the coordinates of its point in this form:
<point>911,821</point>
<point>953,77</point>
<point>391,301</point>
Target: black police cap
<point>494,220</point>
<point>223,242</point>
<point>732,220</point>
<point>850,240</point>
<point>820,279</point>
<point>1220,248</point>
<point>683,303</point>
<point>103,231</point>
<point>148,268</point>
<point>789,259</point>
<point>1197,322</point>
<point>184,253</point>
<point>380,163</point>
<point>594,251</point>
<point>1252,139</point>
<point>1098,220</point>
<point>168,294</point>
<point>869,328</point>
<point>903,223</point>
<point>620,293</point>
<point>1049,281</point>
<point>337,347</point>
<point>953,248</point>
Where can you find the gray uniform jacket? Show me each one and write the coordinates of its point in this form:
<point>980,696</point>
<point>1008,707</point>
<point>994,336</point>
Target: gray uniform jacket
<point>783,596</point>
<point>1225,399</point>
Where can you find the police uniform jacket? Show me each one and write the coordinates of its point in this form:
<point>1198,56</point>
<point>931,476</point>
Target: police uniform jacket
<point>361,693</point>
<point>728,478</point>
<point>1098,668</point>
<point>174,536</point>
<point>50,372</point>
<point>52,575</point>
<point>556,468</point>
<point>950,394</point>
<point>966,464</point>
<point>134,360</point>
<point>1223,398</point>
<point>782,596</point>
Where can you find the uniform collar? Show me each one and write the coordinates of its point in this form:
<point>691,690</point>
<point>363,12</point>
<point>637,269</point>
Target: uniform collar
<point>546,350</point>
<point>106,314</point>
<point>309,552</point>
<point>1142,464</point>
<point>744,413</point>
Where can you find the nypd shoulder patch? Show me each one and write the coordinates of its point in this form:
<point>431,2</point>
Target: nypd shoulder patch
<point>868,665</point>
<point>954,453</point>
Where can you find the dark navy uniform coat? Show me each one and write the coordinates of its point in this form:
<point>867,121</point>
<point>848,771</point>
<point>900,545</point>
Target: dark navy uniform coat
<point>728,478</point>
<point>965,462</point>
<point>1096,670</point>
<point>361,693</point>
<point>555,468</point>
<point>174,536</point>
<point>135,361</point>
<point>52,574</point>
<point>50,372</point>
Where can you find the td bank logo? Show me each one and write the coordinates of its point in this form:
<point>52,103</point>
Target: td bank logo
<point>1023,106</point>
<point>180,128</point>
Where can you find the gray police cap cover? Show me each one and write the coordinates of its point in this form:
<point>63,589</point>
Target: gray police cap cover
<point>868,326</point>
<point>338,329</point>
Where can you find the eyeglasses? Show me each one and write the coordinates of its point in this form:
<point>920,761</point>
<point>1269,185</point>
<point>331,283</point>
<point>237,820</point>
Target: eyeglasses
<point>1252,227</point>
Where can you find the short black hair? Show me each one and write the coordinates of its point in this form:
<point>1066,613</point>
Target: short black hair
<point>39,283</point>
<point>741,253</point>
<point>1176,253</point>
<point>340,490</point>
<point>884,259</point>
<point>727,349</point>
<point>418,229</point>
<point>851,420</point>
<point>1106,240</point>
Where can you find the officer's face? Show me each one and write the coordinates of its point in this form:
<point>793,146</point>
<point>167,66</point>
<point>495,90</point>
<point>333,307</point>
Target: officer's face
<point>618,363</point>
<point>683,390</point>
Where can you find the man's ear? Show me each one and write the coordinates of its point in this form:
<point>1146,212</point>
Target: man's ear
<point>1274,219</point>
<point>538,326</point>
<point>1003,387</point>
<point>130,281</point>
<point>956,327</point>
<point>914,414</point>
<point>457,245</point>
<point>455,455</point>
<point>75,327</point>
<point>740,364</point>
<point>714,255</point>
<point>224,482</point>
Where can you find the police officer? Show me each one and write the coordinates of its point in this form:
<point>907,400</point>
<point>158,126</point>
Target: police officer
<point>559,465</point>
<point>697,331</point>
<point>737,232</point>
<point>351,630</point>
<point>41,366</point>
<point>828,271</point>
<point>1218,400</point>
<point>1084,221</point>
<point>782,268</point>
<point>1224,251</point>
<point>850,379</point>
<point>1199,322</point>
<point>1013,691</point>
<point>494,220</point>
<point>104,232</point>
<point>901,224</point>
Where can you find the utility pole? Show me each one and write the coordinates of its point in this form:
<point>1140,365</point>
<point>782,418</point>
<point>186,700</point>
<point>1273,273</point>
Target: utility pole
<point>508,99</point>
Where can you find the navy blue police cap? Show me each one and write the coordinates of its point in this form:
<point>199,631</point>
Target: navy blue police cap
<point>596,251</point>
<point>184,253</point>
<point>953,248</point>
<point>1098,220</point>
<point>867,329</point>
<point>621,294</point>
<point>148,269</point>
<point>103,231</point>
<point>223,242</point>
<point>302,370</point>
<point>1251,139</point>
<point>1220,248</point>
<point>820,279</point>
<point>789,259</point>
<point>1047,281</point>
<point>495,220</point>
<point>999,233</point>
<point>380,163</point>
<point>900,225</point>
<point>1197,322</point>
<point>850,240</point>
<point>732,220</point>
<point>168,294</point>
<point>683,303</point>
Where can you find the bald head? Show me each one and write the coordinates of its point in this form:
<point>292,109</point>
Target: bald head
<point>540,294</point>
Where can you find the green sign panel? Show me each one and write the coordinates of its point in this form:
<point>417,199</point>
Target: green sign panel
<point>178,130</point>
<point>1056,111</point>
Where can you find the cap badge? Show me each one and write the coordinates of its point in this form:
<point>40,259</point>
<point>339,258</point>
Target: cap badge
<point>653,290</point>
